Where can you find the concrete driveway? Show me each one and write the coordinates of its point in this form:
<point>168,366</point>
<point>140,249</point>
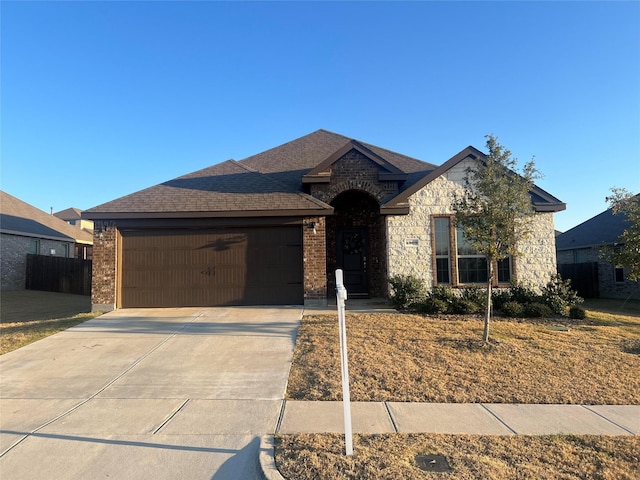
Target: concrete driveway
<point>147,393</point>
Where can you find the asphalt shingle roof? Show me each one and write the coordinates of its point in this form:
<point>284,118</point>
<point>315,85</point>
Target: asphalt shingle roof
<point>604,228</point>
<point>268,183</point>
<point>20,218</point>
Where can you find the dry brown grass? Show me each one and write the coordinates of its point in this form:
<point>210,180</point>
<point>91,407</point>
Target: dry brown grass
<point>391,456</point>
<point>14,335</point>
<point>396,357</point>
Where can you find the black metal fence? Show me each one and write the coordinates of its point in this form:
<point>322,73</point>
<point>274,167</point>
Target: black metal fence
<point>58,274</point>
<point>584,278</point>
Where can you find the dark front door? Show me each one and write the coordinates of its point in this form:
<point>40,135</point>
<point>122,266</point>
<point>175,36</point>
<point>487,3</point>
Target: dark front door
<point>352,259</point>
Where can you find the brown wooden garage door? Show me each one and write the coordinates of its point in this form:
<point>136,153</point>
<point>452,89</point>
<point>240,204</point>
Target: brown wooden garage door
<point>235,266</point>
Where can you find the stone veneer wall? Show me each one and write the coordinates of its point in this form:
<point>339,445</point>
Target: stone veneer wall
<point>104,281</point>
<point>315,261</point>
<point>409,237</point>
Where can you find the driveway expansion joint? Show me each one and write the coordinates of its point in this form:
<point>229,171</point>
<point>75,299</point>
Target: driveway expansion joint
<point>170,417</point>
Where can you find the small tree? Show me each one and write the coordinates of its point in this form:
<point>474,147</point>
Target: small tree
<point>627,250</point>
<point>495,208</point>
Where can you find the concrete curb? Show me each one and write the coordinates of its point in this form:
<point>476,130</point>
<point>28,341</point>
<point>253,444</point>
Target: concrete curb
<point>267,459</point>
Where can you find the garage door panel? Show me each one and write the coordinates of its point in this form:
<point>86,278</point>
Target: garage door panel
<point>214,267</point>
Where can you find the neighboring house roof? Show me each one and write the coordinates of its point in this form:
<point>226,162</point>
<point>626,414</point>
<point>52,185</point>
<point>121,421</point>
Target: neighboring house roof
<point>271,183</point>
<point>603,229</point>
<point>20,218</point>
<point>68,214</point>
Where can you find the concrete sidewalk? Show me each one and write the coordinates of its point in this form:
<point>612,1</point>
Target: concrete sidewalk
<point>461,418</point>
<point>450,418</point>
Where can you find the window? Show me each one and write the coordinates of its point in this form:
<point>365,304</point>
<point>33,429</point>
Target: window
<point>471,266</point>
<point>441,241</point>
<point>34,246</point>
<point>581,255</point>
<point>619,274</point>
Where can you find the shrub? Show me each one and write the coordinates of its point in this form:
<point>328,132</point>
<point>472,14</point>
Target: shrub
<point>523,295</point>
<point>499,298</point>
<point>537,310</point>
<point>444,293</point>
<point>464,306</point>
<point>406,290</point>
<point>512,309</point>
<point>475,295</point>
<point>432,305</point>
<point>577,312</point>
<point>558,295</point>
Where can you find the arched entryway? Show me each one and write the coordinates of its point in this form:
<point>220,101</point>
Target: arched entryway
<point>356,244</point>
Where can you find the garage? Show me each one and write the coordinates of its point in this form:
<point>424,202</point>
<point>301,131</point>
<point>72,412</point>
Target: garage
<point>211,267</point>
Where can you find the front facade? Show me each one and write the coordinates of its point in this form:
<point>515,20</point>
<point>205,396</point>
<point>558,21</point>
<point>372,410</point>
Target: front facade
<point>579,256</point>
<point>24,230</point>
<point>272,229</point>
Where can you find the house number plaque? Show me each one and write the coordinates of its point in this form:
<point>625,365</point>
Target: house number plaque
<point>209,272</point>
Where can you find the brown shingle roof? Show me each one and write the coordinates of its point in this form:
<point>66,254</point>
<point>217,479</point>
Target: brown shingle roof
<point>20,218</point>
<point>69,214</point>
<point>219,189</point>
<point>265,184</point>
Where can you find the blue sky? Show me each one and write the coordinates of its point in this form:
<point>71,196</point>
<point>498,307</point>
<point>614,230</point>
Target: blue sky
<point>102,99</point>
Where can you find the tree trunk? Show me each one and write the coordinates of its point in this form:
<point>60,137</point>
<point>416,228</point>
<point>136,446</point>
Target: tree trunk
<point>487,318</point>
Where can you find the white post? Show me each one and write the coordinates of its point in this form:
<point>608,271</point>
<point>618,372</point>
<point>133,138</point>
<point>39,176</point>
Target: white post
<point>341,296</point>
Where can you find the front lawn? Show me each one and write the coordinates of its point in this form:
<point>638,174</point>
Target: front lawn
<point>397,357</point>
<point>471,457</point>
<point>14,335</point>
<point>412,358</point>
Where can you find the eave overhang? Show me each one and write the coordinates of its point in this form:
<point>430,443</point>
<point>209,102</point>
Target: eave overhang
<point>204,214</point>
<point>402,209</point>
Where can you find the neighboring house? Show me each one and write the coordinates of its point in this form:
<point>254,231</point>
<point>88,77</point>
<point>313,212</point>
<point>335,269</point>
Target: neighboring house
<point>578,253</point>
<point>26,229</point>
<point>272,228</point>
<point>73,217</point>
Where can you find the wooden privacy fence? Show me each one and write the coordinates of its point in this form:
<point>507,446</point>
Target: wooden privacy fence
<point>584,278</point>
<point>58,274</point>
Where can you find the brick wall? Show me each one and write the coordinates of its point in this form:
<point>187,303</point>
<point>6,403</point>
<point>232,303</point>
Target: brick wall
<point>607,285</point>
<point>104,284</point>
<point>354,171</point>
<point>315,260</point>
<point>358,175</point>
<point>13,255</point>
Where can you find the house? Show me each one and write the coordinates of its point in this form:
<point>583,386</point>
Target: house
<point>272,228</point>
<point>578,253</point>
<point>73,216</point>
<point>26,229</point>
